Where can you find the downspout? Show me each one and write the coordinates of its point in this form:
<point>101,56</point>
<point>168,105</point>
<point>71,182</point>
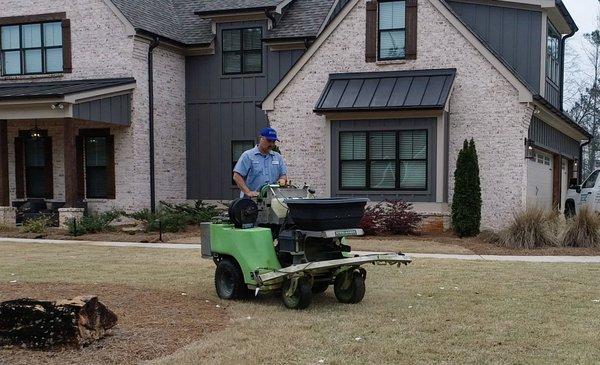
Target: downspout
<point>562,66</point>
<point>153,45</point>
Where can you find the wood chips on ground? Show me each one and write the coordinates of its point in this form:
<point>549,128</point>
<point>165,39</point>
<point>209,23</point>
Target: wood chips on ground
<point>151,323</point>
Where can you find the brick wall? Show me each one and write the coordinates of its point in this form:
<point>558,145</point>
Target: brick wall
<point>483,105</point>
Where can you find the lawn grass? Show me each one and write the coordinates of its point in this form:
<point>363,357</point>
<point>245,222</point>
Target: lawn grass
<point>429,311</point>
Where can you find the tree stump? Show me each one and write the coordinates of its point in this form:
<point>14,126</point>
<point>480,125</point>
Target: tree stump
<point>44,324</point>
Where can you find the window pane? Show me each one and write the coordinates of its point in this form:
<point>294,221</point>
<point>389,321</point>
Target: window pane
<point>238,147</point>
<point>383,174</point>
<point>232,40</point>
<point>32,35</point>
<point>96,177</point>
<point>353,174</point>
<point>232,63</point>
<point>12,62</point>
<point>52,34</point>
<point>391,44</point>
<point>54,60</point>
<point>353,146</point>
<point>391,15</point>
<point>413,145</point>
<point>413,174</point>
<point>95,151</point>
<point>382,145</point>
<point>33,61</point>
<point>252,61</point>
<point>10,37</point>
<point>252,39</point>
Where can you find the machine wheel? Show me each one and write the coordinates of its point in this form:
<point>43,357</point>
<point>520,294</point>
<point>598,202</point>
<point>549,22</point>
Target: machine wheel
<point>229,280</point>
<point>300,298</point>
<point>355,290</point>
<point>319,287</point>
<point>569,209</point>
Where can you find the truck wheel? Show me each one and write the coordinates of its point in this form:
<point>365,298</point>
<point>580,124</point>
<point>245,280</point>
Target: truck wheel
<point>300,298</point>
<point>229,280</point>
<point>569,209</point>
<point>355,290</point>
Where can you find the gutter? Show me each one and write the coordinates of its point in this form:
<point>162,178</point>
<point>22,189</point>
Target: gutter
<point>153,45</point>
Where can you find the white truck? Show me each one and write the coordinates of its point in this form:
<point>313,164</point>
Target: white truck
<point>584,195</point>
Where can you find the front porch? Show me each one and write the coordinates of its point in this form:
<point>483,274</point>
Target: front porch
<point>57,146</point>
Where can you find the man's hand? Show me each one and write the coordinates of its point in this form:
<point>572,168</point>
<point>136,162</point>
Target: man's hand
<point>252,194</point>
<point>282,182</point>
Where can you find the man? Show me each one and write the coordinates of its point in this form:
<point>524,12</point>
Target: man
<point>260,165</point>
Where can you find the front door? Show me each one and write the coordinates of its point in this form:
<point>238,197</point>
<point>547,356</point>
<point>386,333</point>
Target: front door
<point>36,165</point>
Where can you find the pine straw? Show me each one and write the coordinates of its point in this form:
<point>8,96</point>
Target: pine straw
<point>583,230</point>
<point>531,228</point>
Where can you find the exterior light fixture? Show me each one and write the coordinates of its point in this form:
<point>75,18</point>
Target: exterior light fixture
<point>529,154</point>
<point>35,133</point>
<point>57,105</point>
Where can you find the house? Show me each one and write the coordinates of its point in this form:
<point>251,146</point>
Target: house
<point>124,103</point>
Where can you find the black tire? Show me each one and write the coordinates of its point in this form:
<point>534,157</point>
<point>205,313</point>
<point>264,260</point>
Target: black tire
<point>569,209</point>
<point>354,293</point>
<point>229,280</point>
<point>302,296</point>
<point>320,287</point>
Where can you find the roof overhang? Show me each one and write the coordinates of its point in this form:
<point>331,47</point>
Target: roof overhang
<point>390,91</point>
<point>105,100</point>
<point>559,120</point>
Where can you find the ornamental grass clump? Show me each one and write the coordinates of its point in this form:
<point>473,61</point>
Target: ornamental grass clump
<point>583,230</point>
<point>531,228</point>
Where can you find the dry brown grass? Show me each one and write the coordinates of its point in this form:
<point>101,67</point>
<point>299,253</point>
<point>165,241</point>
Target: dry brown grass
<point>432,311</point>
<point>531,228</point>
<point>583,230</point>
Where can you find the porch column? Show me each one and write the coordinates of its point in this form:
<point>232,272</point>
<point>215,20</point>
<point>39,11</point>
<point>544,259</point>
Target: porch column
<point>70,212</point>
<point>4,189</point>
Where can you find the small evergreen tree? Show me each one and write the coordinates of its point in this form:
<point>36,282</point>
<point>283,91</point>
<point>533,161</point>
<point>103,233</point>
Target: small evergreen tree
<point>466,203</point>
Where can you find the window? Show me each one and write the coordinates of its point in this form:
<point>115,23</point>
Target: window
<point>392,31</point>
<point>383,160</point>
<point>237,148</point>
<point>591,180</point>
<point>96,172</point>
<point>242,51</point>
<point>35,167</point>
<point>543,159</point>
<point>553,54</point>
<point>31,48</point>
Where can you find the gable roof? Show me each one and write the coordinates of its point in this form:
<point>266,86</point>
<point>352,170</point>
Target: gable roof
<point>223,6</point>
<point>303,18</point>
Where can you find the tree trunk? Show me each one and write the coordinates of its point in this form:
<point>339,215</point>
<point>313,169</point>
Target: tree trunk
<point>43,324</point>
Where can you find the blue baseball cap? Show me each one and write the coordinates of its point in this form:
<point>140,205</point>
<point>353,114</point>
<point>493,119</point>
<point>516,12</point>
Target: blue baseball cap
<point>269,133</point>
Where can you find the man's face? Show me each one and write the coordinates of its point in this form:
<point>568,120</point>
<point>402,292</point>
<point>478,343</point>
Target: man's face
<point>265,144</point>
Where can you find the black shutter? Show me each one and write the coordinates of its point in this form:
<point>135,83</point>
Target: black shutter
<point>110,167</point>
<point>48,167</point>
<point>66,44</point>
<point>80,168</point>
<point>20,167</point>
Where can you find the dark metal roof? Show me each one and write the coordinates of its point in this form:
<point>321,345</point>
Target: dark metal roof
<point>562,115</point>
<point>396,90</point>
<point>50,89</point>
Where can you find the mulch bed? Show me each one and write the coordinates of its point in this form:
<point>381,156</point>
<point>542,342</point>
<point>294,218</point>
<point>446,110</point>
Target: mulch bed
<point>151,323</point>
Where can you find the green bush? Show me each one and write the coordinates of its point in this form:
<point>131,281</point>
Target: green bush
<point>37,225</point>
<point>466,202</point>
<point>196,214</point>
<point>93,223</point>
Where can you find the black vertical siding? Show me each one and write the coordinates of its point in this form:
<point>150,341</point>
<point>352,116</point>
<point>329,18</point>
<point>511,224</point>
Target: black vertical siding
<point>221,108</point>
<point>547,137</point>
<point>114,110</point>
<point>515,34</point>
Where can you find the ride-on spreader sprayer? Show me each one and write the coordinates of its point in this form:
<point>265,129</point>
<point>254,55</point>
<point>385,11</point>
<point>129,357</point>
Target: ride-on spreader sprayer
<point>289,241</point>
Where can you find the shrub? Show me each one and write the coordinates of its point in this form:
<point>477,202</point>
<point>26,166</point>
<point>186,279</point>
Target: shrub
<point>466,202</point>
<point>196,214</point>
<point>390,218</point>
<point>93,223</point>
<point>165,220</point>
<point>532,228</point>
<point>583,230</point>
<point>37,225</point>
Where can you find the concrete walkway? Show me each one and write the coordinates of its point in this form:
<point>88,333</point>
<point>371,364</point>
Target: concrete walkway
<point>187,246</point>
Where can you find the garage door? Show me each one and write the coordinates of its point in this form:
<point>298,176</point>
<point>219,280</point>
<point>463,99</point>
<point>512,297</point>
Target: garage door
<point>539,180</point>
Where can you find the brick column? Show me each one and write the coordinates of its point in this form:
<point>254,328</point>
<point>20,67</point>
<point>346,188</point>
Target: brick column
<point>70,158</point>
<point>4,188</point>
